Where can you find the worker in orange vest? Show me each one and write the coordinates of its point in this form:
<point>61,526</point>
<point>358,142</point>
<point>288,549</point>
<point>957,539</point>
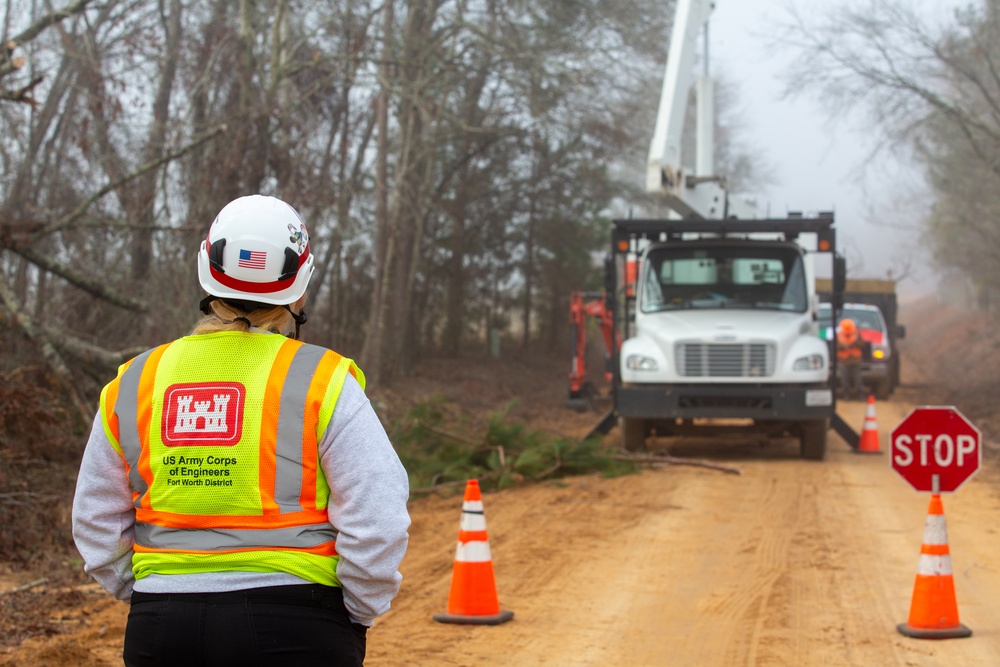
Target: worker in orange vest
<point>237,488</point>
<point>850,353</point>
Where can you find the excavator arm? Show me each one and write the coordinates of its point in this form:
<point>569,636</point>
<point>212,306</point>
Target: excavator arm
<point>583,305</point>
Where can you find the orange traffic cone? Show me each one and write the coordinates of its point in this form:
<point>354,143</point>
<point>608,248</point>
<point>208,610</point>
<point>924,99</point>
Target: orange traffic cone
<point>869,434</point>
<point>934,610</point>
<point>473,597</point>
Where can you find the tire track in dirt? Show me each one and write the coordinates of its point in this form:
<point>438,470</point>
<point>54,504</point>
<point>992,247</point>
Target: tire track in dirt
<point>791,563</point>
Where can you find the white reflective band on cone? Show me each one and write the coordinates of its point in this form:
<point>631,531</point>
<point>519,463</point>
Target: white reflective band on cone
<point>472,522</point>
<point>473,552</point>
<point>472,506</point>
<point>935,530</point>
<point>934,566</point>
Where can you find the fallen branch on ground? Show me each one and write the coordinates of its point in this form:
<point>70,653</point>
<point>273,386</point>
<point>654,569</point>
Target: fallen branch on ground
<point>457,482</point>
<point>32,584</point>
<point>447,434</point>
<point>666,459</point>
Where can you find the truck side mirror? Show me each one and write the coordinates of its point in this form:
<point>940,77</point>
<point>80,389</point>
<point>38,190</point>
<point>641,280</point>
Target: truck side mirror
<point>900,331</point>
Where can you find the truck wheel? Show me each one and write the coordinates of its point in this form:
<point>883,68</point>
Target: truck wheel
<point>633,434</point>
<point>812,439</point>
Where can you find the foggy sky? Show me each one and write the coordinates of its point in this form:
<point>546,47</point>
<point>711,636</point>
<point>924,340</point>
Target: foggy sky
<point>818,163</point>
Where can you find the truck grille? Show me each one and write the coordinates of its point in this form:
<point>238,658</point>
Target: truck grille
<point>725,359</point>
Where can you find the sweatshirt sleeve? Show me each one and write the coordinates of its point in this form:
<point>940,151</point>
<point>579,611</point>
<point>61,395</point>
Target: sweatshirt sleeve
<point>103,515</point>
<point>369,489</point>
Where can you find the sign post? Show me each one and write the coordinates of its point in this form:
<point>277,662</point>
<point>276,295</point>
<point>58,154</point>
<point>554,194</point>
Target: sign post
<point>936,450</point>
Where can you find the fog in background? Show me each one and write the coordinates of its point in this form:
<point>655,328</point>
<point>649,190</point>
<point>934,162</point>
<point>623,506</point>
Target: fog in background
<point>817,162</point>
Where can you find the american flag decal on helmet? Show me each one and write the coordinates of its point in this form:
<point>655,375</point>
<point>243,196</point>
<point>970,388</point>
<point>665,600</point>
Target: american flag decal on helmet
<point>252,259</point>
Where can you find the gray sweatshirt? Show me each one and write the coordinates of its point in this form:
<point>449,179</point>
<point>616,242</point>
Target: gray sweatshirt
<point>368,494</point>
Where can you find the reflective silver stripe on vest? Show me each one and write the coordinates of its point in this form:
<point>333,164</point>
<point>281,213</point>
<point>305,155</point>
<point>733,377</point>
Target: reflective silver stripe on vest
<point>291,418</point>
<point>157,537</point>
<point>127,409</point>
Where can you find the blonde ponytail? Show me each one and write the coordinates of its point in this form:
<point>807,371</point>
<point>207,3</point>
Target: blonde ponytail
<point>225,317</point>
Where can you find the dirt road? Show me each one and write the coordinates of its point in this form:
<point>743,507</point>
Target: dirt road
<point>790,563</point>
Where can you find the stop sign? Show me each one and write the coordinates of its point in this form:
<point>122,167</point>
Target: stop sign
<point>935,449</point>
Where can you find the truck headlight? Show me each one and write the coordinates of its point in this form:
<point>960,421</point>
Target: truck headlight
<point>878,353</point>
<point>813,362</point>
<point>640,362</point>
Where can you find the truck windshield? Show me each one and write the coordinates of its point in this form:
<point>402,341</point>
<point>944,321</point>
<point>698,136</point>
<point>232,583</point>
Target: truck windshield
<point>724,276</point>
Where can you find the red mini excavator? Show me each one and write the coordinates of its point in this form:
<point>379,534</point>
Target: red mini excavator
<point>597,305</point>
<point>581,306</point>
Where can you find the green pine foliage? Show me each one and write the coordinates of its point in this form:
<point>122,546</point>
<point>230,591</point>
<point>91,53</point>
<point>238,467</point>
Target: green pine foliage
<point>441,446</point>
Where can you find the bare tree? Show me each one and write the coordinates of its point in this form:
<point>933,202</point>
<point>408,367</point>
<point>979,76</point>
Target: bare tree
<point>496,125</point>
<point>931,92</point>
<point>10,63</point>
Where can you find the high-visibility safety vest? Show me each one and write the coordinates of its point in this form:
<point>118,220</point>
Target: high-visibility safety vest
<point>849,351</point>
<point>849,346</point>
<point>219,436</point>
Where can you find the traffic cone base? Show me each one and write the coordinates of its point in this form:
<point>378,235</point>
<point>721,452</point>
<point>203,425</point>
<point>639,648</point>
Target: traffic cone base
<point>956,632</point>
<point>488,619</point>
<point>869,434</point>
<point>473,596</point>
<point>934,609</point>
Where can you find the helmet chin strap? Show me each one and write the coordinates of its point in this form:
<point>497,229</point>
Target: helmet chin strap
<point>300,319</point>
<point>203,305</point>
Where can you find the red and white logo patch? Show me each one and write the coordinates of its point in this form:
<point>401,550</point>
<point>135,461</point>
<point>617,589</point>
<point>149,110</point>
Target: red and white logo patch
<point>203,413</point>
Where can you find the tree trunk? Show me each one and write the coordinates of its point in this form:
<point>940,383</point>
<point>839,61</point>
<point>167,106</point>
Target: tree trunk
<point>371,352</point>
<point>144,213</point>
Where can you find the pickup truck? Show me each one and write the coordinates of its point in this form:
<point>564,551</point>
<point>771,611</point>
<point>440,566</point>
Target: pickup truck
<point>880,293</point>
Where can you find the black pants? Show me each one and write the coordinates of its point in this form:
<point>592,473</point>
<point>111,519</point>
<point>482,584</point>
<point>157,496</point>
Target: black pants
<point>297,626</point>
<point>850,380</point>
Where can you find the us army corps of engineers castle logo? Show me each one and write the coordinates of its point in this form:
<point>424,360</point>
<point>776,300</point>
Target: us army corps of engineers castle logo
<point>203,413</point>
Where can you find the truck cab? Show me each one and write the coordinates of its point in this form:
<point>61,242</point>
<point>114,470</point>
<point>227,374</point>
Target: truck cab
<point>723,309</point>
<point>720,331</point>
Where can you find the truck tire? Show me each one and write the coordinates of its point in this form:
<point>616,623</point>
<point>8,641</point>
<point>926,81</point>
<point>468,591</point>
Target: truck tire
<point>812,439</point>
<point>633,434</point>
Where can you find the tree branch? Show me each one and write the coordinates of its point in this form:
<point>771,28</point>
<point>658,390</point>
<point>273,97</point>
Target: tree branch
<point>89,353</point>
<point>49,19</point>
<point>675,461</point>
<point>48,351</point>
<point>9,64</point>
<point>22,93</point>
<point>86,283</point>
<point>68,220</point>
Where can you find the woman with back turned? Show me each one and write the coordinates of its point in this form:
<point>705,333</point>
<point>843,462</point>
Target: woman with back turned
<point>238,488</point>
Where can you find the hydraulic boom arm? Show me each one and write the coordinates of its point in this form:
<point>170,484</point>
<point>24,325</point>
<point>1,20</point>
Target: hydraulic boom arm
<point>701,194</point>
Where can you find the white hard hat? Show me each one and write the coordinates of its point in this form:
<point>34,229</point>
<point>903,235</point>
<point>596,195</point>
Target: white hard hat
<point>257,250</point>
